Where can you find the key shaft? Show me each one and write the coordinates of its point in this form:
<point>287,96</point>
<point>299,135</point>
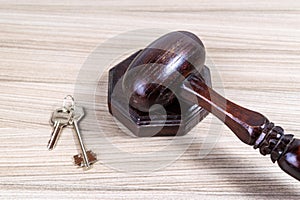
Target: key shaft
<point>57,129</point>
<point>81,144</point>
<point>60,119</point>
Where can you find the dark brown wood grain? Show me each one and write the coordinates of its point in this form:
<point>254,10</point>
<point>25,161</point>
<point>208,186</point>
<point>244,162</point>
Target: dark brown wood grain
<point>249,126</point>
<point>167,69</point>
<point>246,124</point>
<point>290,161</point>
<point>155,74</point>
<point>178,119</point>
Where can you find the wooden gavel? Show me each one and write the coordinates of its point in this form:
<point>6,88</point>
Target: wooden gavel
<point>167,70</point>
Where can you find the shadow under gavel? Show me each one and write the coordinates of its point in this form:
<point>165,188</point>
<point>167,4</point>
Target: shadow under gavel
<point>168,71</point>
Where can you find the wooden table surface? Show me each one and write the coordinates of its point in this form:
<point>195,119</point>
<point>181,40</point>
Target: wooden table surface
<point>44,45</point>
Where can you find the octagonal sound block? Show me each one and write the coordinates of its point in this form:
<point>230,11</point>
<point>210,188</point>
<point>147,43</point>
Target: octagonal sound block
<point>178,118</point>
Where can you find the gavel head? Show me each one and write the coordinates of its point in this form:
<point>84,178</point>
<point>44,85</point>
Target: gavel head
<point>161,67</point>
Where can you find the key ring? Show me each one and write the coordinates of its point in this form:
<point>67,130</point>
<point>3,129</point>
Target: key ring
<point>69,103</point>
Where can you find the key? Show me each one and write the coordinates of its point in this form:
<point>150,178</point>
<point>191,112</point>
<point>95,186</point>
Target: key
<point>60,118</point>
<point>69,116</point>
<point>85,158</point>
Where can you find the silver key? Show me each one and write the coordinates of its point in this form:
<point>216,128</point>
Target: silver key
<point>69,115</point>
<point>85,158</point>
<point>60,118</point>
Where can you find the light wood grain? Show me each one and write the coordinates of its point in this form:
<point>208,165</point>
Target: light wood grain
<point>43,45</point>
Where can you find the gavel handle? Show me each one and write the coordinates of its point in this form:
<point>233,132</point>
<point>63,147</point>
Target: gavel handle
<point>250,127</point>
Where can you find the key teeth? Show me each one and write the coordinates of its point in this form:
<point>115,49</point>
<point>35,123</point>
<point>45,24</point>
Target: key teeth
<point>78,159</point>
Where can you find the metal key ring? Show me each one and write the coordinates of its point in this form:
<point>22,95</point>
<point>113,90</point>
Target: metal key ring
<point>69,103</point>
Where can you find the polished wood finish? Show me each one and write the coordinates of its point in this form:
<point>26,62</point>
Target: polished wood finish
<point>169,63</point>
<point>290,161</point>
<point>147,82</point>
<point>178,119</point>
<point>246,124</point>
<point>250,127</point>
